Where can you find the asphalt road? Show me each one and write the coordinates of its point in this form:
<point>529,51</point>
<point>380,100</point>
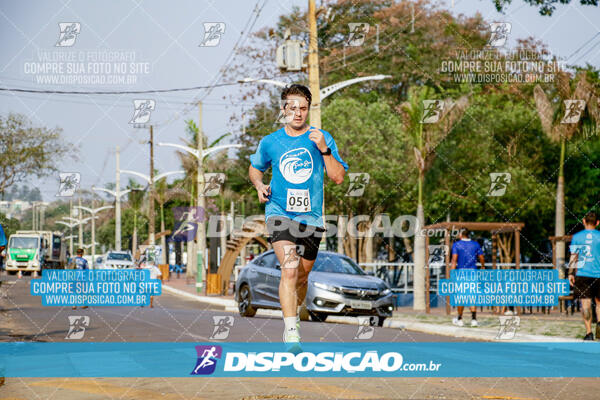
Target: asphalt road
<point>175,319</point>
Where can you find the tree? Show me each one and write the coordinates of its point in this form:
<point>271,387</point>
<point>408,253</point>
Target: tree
<point>425,137</point>
<point>135,199</point>
<point>27,150</point>
<point>546,7</point>
<point>368,136</point>
<point>162,195</point>
<point>560,129</point>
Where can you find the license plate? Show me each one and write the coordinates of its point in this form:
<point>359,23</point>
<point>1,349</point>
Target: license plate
<point>361,304</point>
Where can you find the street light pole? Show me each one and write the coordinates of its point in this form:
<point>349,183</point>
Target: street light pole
<point>80,225</point>
<point>69,225</point>
<point>118,206</point>
<point>93,211</point>
<point>118,193</point>
<point>201,231</point>
<point>151,180</point>
<point>151,197</point>
<point>199,152</point>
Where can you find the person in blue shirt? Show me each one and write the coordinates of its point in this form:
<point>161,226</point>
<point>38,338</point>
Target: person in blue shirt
<point>80,263</point>
<point>298,154</point>
<point>3,243</point>
<point>465,254</point>
<point>584,270</point>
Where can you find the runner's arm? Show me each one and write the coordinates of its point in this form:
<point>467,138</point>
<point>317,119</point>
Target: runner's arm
<point>335,170</point>
<point>454,261</point>
<point>482,261</point>
<point>256,177</point>
<point>573,267</point>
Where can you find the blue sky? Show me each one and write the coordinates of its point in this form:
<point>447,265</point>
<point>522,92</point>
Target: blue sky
<point>164,37</point>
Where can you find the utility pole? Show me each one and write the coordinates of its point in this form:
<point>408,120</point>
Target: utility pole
<point>71,228</point>
<point>313,81</point>
<point>313,67</point>
<point>79,215</point>
<point>118,207</point>
<point>151,197</point>
<point>42,216</point>
<point>201,232</point>
<point>93,234</point>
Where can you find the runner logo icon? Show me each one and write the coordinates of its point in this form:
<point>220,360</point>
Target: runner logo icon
<point>207,359</point>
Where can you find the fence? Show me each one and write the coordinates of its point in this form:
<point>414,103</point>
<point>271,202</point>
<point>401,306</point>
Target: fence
<point>400,275</point>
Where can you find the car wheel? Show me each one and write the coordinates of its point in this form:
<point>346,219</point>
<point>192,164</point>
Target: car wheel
<point>317,316</point>
<point>376,321</point>
<point>245,302</point>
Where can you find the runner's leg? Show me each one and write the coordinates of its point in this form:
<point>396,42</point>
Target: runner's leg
<point>289,278</point>
<point>586,312</point>
<point>302,281</point>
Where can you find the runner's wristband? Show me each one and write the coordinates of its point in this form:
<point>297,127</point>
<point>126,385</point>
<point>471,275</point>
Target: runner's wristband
<point>326,153</point>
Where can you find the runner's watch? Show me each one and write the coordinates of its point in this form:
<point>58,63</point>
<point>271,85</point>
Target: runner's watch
<point>326,153</point>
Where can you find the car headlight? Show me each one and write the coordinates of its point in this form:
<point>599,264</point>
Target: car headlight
<point>386,291</point>
<point>324,286</point>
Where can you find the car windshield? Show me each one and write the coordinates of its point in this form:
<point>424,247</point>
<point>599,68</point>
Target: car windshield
<point>23,243</point>
<point>336,264</point>
<point>119,256</point>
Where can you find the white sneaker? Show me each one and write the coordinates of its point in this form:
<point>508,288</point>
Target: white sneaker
<point>508,312</point>
<point>474,323</point>
<point>298,322</point>
<point>457,322</point>
<point>291,336</point>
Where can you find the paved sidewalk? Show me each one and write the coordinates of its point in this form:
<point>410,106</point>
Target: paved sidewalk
<point>437,322</point>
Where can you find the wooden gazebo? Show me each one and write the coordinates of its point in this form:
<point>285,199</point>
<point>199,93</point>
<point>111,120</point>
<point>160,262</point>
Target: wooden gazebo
<point>494,227</point>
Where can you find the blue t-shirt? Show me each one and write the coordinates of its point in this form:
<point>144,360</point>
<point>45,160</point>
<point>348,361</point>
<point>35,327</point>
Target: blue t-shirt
<point>586,244</point>
<point>468,251</point>
<point>297,182</point>
<point>81,263</point>
<point>2,237</point>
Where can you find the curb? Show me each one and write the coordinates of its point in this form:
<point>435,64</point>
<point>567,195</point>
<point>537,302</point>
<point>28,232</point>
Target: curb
<point>215,301</point>
<point>394,322</point>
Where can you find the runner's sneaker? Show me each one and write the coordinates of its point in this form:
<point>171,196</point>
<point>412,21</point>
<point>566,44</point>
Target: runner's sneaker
<point>291,336</point>
<point>474,323</point>
<point>457,322</point>
<point>589,336</point>
<point>597,331</point>
<point>298,322</point>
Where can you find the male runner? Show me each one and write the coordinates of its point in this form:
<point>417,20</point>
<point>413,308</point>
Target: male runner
<point>584,272</point>
<point>465,253</point>
<point>298,153</point>
<point>80,263</point>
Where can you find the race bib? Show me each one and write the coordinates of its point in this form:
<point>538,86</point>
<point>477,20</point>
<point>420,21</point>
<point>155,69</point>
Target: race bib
<point>298,200</point>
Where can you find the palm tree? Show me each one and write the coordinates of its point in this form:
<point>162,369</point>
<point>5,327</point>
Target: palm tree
<point>135,199</point>
<point>425,137</point>
<point>552,114</point>
<point>190,165</point>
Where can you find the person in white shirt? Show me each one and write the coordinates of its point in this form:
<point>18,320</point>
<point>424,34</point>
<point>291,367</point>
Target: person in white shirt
<point>154,274</point>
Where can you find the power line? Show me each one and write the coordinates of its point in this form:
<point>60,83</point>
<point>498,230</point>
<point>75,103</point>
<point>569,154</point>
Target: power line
<point>20,90</point>
<point>587,52</point>
<point>249,25</point>
<point>583,45</point>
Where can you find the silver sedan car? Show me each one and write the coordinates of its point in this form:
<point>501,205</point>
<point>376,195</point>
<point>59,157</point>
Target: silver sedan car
<point>336,286</point>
